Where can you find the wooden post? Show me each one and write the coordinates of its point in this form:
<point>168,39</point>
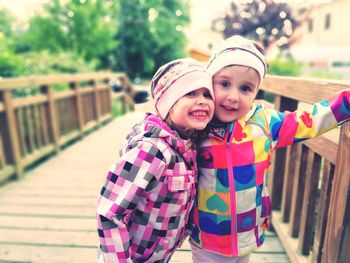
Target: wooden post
<point>279,157</point>
<point>2,155</point>
<point>298,190</point>
<point>12,131</point>
<point>312,175</point>
<point>79,107</point>
<point>291,157</point>
<point>327,179</point>
<point>109,99</point>
<point>97,102</point>
<point>337,239</point>
<point>53,122</point>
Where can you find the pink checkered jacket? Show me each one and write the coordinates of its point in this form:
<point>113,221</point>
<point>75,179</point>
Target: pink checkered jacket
<point>144,205</point>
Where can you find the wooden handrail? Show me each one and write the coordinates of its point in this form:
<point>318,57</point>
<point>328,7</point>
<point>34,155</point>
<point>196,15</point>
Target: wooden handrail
<point>309,182</point>
<point>35,126</point>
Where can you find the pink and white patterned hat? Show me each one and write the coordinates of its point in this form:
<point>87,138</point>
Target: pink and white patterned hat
<point>175,79</point>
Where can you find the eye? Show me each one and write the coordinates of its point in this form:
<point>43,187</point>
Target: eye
<point>191,93</point>
<point>207,95</point>
<point>225,84</point>
<point>246,88</point>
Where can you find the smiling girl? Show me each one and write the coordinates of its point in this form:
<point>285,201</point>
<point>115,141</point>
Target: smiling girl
<point>233,206</point>
<point>145,203</point>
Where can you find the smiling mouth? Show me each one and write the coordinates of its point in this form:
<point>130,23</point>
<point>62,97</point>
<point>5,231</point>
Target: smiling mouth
<point>199,114</point>
<point>229,108</point>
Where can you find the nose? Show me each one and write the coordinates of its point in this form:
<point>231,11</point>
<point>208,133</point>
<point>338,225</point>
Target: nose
<point>233,96</point>
<point>201,100</point>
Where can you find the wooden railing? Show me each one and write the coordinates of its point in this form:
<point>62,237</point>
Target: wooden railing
<point>310,182</point>
<point>37,125</point>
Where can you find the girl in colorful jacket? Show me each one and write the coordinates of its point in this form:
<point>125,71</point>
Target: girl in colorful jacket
<point>232,204</point>
<point>145,202</point>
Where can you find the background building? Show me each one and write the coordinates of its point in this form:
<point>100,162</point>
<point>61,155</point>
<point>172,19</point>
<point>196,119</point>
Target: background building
<point>322,41</point>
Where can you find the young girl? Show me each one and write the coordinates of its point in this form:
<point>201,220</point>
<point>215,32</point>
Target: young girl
<point>145,202</point>
<point>232,206</point>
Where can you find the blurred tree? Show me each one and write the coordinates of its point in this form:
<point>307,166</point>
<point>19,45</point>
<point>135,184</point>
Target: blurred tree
<point>10,64</point>
<point>150,34</point>
<point>85,27</point>
<point>7,20</point>
<point>44,63</point>
<point>262,20</point>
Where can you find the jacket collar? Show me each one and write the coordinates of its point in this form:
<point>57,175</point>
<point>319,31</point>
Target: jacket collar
<point>219,129</point>
<point>155,127</point>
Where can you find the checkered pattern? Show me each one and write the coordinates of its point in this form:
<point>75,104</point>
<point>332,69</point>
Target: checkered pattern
<point>145,202</point>
<point>232,207</point>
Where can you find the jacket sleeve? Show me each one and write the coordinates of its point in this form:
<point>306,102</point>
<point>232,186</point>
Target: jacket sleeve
<point>127,181</point>
<point>291,127</point>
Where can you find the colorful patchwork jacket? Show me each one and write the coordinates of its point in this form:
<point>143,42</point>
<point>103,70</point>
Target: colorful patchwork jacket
<point>232,204</point>
<point>144,205</point>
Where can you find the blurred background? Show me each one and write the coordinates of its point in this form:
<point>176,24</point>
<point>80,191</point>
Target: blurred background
<point>306,38</point>
<point>117,45</point>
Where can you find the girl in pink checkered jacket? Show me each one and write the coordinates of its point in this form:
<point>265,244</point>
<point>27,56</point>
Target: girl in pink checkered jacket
<point>145,203</point>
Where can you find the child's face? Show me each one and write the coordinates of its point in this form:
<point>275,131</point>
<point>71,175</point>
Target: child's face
<point>235,88</point>
<point>194,110</point>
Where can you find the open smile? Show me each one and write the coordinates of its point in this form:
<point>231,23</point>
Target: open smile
<point>199,114</point>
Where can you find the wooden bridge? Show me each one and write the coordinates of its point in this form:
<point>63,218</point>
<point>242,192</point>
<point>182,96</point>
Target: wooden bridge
<point>48,213</point>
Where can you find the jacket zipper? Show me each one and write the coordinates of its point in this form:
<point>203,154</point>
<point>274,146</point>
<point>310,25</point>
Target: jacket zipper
<point>259,125</point>
<point>232,193</point>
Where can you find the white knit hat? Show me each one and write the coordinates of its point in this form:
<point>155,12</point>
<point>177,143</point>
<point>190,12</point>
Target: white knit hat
<point>237,50</point>
<point>175,79</point>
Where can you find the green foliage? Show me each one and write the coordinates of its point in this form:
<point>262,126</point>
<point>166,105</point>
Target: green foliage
<point>135,36</point>
<point>285,67</point>
<point>117,108</point>
<point>83,27</point>
<point>11,65</point>
<point>150,34</point>
<point>324,75</point>
<point>6,22</point>
<point>44,63</point>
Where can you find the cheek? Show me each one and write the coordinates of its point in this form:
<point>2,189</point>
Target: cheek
<point>248,101</point>
<point>218,97</point>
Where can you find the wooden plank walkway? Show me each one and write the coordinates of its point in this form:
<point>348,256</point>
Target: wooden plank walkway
<point>49,216</point>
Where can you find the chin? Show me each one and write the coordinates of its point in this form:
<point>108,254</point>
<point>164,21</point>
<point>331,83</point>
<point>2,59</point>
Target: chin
<point>199,127</point>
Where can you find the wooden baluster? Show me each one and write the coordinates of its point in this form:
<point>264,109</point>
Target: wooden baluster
<point>308,208</point>
<point>107,99</point>
<point>29,128</point>
<point>52,116</point>
<point>288,180</point>
<point>44,122</point>
<point>337,239</point>
<point>298,190</point>
<point>279,157</point>
<point>38,131</point>
<point>78,103</point>
<point>21,130</point>
<point>326,187</point>
<point>2,155</point>
<point>12,132</point>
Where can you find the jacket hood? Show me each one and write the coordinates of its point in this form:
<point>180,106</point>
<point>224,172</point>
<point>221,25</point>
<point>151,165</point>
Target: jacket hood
<point>154,127</point>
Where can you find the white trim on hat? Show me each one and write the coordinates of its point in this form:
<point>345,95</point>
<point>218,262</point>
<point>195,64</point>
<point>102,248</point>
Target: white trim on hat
<point>237,57</point>
<point>183,85</point>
